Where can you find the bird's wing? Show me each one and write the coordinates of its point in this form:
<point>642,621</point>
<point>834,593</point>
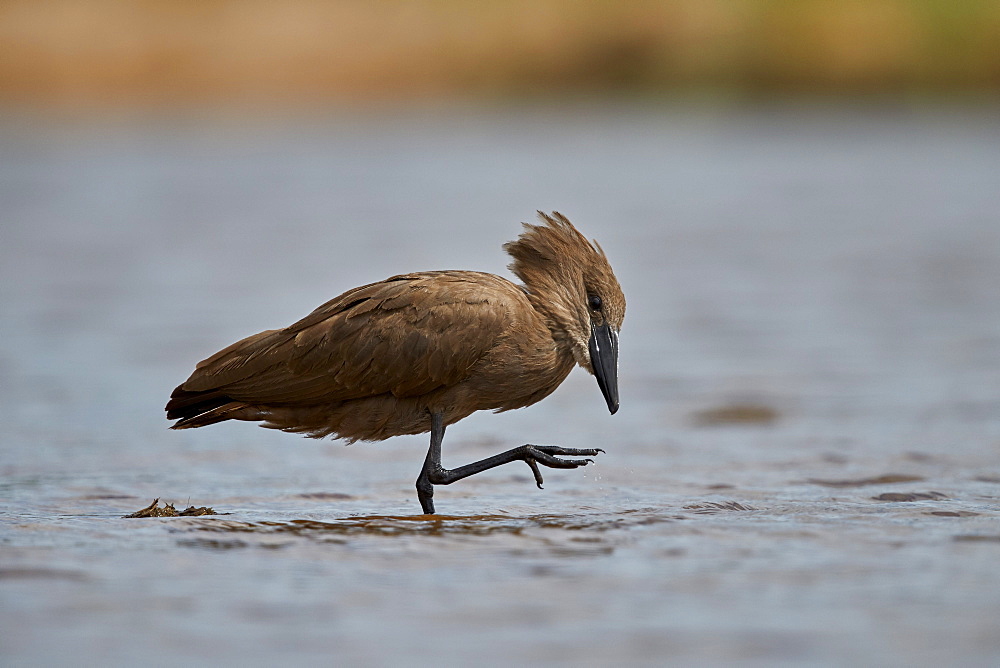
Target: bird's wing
<point>406,335</point>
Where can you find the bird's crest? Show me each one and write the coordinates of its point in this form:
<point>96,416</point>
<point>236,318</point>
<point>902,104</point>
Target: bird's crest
<point>555,257</point>
<point>561,269</point>
<point>551,248</point>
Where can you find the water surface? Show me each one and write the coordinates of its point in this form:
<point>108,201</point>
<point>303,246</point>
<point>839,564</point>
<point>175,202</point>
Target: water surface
<point>805,466</point>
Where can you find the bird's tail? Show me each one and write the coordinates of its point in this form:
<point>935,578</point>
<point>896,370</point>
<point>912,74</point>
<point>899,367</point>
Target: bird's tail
<point>199,409</point>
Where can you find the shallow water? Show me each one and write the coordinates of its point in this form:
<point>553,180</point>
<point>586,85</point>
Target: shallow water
<point>805,467</point>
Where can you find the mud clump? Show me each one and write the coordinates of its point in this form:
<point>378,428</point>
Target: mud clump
<point>736,414</point>
<point>168,510</point>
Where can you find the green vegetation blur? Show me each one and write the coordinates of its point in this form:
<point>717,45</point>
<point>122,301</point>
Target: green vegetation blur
<point>146,52</point>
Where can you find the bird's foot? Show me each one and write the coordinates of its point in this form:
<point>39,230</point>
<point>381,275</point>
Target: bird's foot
<point>545,455</point>
<point>425,493</point>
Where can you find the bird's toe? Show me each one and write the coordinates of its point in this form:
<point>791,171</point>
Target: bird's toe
<point>568,452</point>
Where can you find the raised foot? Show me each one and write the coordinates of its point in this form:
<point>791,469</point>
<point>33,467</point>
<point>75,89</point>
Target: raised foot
<point>547,455</point>
<point>533,455</point>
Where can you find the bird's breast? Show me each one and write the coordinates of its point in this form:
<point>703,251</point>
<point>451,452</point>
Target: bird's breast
<point>514,375</point>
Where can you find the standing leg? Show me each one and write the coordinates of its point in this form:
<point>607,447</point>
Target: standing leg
<point>432,465</point>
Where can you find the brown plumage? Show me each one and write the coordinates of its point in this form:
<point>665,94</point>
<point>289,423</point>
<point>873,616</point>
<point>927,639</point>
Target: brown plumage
<point>417,352</point>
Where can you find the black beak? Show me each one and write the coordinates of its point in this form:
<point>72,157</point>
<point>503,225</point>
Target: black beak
<point>604,360</point>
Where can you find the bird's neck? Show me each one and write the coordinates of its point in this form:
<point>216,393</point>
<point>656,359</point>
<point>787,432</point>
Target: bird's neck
<point>558,319</point>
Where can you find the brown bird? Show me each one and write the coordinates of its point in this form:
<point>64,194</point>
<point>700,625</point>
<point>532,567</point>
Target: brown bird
<point>418,352</point>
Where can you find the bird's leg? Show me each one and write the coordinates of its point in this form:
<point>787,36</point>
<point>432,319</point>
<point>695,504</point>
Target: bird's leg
<point>432,465</point>
<point>435,474</point>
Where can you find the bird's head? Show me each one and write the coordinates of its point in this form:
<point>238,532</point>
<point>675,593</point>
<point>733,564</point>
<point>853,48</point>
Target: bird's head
<point>570,281</point>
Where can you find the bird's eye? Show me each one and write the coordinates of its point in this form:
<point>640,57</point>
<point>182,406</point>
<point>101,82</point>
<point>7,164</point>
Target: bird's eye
<point>595,302</point>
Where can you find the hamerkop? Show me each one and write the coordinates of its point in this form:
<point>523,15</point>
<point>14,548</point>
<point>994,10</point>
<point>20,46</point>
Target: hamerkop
<point>418,352</point>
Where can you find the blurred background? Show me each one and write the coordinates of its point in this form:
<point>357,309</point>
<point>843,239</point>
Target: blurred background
<point>800,198</point>
<point>100,53</point>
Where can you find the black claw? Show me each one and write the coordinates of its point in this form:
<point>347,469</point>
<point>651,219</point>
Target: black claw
<point>534,469</point>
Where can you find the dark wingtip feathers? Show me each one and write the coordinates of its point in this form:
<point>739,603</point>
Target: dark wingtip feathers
<point>192,409</point>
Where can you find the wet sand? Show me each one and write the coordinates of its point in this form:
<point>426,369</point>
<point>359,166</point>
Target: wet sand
<point>805,467</point>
